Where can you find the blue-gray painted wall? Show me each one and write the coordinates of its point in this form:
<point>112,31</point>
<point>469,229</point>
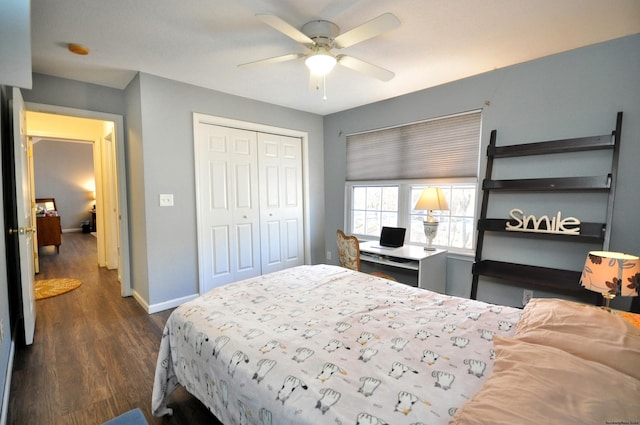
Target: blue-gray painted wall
<point>572,94</point>
<point>559,96</point>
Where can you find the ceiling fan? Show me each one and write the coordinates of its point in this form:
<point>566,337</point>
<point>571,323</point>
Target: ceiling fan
<point>320,37</point>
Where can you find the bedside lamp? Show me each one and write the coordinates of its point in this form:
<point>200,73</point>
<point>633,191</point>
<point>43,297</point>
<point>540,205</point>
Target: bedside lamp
<point>611,274</point>
<point>431,199</point>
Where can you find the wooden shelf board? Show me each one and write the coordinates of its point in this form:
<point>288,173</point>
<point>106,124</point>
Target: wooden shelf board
<point>531,276</point>
<point>579,144</point>
<point>550,184</point>
<point>589,232</point>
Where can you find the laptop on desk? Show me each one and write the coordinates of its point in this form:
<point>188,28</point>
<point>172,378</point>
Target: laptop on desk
<point>391,238</point>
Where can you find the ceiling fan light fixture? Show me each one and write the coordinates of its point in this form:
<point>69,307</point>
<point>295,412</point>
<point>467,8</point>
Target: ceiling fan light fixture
<point>320,62</point>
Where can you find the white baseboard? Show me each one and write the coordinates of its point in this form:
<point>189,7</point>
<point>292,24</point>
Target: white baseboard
<point>155,308</point>
<point>7,385</point>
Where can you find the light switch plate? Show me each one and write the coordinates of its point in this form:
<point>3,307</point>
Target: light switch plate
<point>166,199</point>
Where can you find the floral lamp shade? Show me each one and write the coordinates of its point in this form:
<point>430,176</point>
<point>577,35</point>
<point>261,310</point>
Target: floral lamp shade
<point>611,274</point>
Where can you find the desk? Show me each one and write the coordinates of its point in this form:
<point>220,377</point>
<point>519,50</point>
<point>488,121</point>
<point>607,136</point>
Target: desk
<point>408,264</point>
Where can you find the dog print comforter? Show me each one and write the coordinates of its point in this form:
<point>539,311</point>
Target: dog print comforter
<point>326,345</point>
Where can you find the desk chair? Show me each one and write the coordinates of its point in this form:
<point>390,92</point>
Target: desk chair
<point>349,254</point>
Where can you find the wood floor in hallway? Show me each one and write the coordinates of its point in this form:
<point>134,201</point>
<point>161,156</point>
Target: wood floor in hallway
<point>94,352</point>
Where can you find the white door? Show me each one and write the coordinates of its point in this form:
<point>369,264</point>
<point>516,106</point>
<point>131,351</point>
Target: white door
<point>26,226</point>
<point>281,212</point>
<point>228,205</point>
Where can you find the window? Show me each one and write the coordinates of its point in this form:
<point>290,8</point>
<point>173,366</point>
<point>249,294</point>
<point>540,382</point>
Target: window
<point>456,228</point>
<point>372,206</point>
<point>388,168</point>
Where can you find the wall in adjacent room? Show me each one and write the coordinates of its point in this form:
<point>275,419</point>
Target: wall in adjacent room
<point>64,171</point>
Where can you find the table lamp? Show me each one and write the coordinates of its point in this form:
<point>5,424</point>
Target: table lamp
<point>431,198</point>
<point>611,274</point>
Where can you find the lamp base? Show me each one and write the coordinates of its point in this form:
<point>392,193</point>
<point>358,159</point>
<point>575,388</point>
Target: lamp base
<point>607,300</point>
<point>430,227</point>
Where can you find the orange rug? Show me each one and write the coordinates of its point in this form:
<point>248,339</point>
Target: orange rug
<point>48,288</point>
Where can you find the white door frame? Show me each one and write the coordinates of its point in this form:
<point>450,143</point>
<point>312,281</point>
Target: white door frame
<point>124,270</point>
<point>199,118</point>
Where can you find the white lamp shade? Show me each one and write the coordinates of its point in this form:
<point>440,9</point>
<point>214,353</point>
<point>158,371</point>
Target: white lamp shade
<point>611,273</point>
<point>320,62</point>
<point>431,198</point>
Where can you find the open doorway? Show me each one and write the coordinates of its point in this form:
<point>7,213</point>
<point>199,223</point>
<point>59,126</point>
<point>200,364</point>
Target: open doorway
<point>63,170</point>
<point>103,134</point>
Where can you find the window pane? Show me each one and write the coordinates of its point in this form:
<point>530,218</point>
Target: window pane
<point>390,198</point>
<point>373,223</point>
<point>359,197</point>
<point>389,219</point>
<point>357,223</point>
<point>374,196</point>
<point>417,231</point>
<point>462,233</point>
<point>463,201</point>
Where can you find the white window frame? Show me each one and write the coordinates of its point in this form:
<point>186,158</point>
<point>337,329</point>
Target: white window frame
<point>405,208</point>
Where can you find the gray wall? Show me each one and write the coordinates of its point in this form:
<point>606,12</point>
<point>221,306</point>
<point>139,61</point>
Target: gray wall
<point>572,94</point>
<point>75,94</point>
<point>161,160</point>
<point>565,95</point>
<point>159,146</point>
<point>61,171</point>
<point>136,190</point>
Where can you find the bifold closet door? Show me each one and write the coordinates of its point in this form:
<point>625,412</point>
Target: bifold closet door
<point>281,208</point>
<point>228,205</point>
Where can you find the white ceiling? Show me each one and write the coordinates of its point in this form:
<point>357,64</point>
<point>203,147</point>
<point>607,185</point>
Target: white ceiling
<point>201,42</point>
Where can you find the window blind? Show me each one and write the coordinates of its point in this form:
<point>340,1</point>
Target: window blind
<point>439,148</point>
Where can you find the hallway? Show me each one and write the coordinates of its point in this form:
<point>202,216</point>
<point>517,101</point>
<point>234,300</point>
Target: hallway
<point>94,352</point>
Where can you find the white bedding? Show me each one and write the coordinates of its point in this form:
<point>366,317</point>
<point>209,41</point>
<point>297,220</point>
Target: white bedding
<point>326,345</point>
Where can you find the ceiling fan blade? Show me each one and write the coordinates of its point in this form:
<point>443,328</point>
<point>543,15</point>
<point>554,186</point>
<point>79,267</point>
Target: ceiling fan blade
<point>365,68</point>
<point>276,59</point>
<point>370,29</point>
<point>284,27</point>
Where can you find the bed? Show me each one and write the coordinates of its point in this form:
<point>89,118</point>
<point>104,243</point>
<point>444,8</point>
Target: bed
<point>326,345</point>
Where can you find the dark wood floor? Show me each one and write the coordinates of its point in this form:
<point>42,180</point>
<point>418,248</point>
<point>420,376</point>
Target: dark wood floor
<point>94,352</point>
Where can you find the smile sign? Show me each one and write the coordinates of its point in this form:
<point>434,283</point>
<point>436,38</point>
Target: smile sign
<point>544,224</point>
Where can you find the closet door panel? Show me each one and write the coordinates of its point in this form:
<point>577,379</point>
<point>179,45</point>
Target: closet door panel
<point>271,186</point>
<point>293,238</point>
<point>245,253</point>
<point>272,234</point>
<point>221,257</point>
<point>280,165</point>
<point>228,214</point>
<point>217,196</point>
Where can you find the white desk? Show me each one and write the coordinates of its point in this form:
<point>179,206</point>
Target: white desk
<point>409,264</point>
